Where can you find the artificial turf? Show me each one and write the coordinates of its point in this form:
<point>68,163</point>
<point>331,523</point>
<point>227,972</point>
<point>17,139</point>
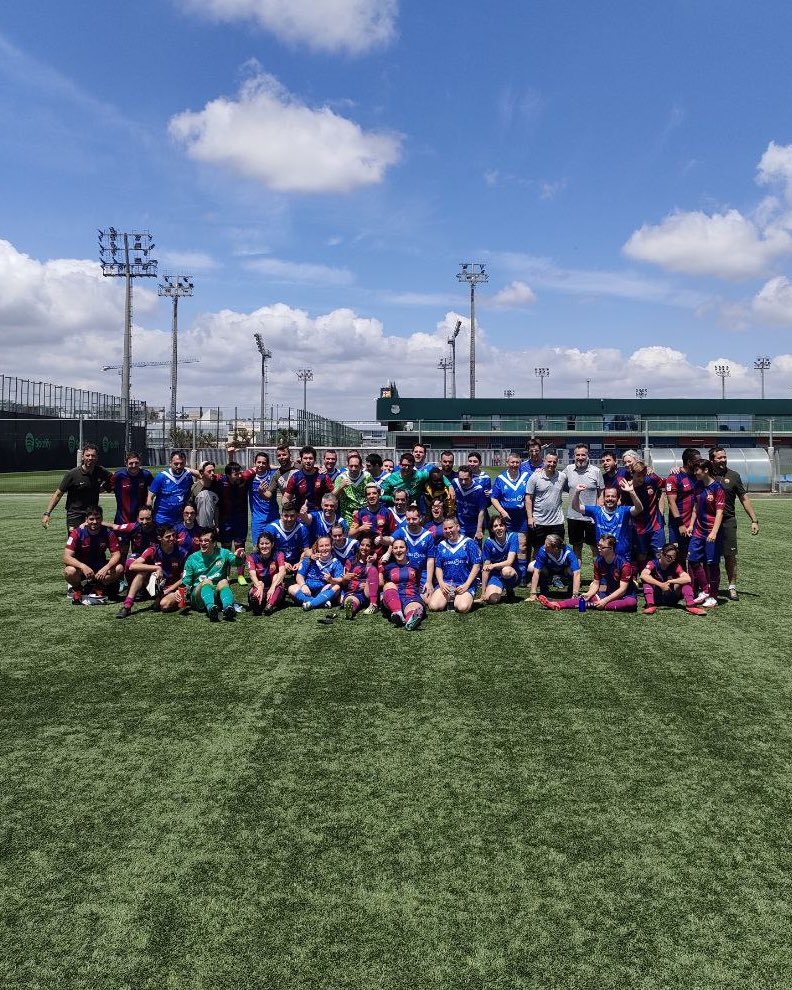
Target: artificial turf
<point>516,798</point>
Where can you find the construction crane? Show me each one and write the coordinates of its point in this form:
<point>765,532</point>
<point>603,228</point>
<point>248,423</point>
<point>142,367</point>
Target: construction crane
<point>150,364</point>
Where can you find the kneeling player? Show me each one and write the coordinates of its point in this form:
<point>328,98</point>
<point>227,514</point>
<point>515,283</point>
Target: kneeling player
<point>457,567</point>
<point>401,591</point>
<point>360,581</point>
<point>85,557</point>
<point>267,570</point>
<point>555,561</point>
<point>612,589</point>
<point>317,581</point>
<point>164,561</point>
<point>665,582</point>
<point>499,571</point>
<point>206,578</point>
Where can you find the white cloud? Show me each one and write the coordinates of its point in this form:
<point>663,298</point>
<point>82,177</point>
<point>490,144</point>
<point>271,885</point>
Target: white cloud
<point>727,245</point>
<point>515,295</point>
<point>773,302</point>
<point>269,135</point>
<point>300,271</point>
<point>353,26</point>
<point>775,165</point>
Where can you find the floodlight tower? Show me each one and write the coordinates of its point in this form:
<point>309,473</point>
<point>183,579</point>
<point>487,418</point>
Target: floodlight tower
<point>508,393</point>
<point>762,364</point>
<point>588,388</point>
<point>641,393</point>
<point>266,354</point>
<point>541,374</point>
<point>174,287</point>
<point>444,364</point>
<point>452,342</point>
<point>305,375</point>
<point>474,274</point>
<point>723,372</point>
<point>119,258</point>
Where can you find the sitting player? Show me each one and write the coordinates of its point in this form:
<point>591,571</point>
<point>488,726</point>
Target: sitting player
<point>360,581</point>
<point>188,531</point>
<point>611,590</point>
<point>206,578</point>
<point>267,570</point>
<point>499,575</point>
<point>318,580</point>
<point>85,558</point>
<point>136,537</point>
<point>555,561</point>
<point>457,567</point>
<point>401,593</point>
<point>344,548</point>
<point>164,561</point>
<point>420,549</point>
<point>665,582</point>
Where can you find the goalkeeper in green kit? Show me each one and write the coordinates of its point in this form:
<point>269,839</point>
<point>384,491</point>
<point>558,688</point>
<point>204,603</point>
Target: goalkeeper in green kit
<point>206,578</point>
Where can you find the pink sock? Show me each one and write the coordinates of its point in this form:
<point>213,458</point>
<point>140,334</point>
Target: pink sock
<point>275,597</point>
<point>699,576</point>
<point>687,594</point>
<point>626,604</point>
<point>354,603</point>
<point>372,583</point>
<point>391,600</point>
<point>567,603</point>
<point>649,593</point>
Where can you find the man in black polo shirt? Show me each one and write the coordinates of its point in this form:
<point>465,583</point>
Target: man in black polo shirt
<point>733,486</point>
<point>81,486</point>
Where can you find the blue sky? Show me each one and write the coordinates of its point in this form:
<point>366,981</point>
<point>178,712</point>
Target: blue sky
<point>321,167</point>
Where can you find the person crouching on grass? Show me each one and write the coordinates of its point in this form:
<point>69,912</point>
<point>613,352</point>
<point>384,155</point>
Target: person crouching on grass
<point>267,570</point>
<point>85,557</point>
<point>555,560</point>
<point>499,571</point>
<point>360,582</point>
<point>206,578</point>
<point>665,582</point>
<point>165,562</point>
<point>401,588</point>
<point>612,589</point>
<point>318,578</point>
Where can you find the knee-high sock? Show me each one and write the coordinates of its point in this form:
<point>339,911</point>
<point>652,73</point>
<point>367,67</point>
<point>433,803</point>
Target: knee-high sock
<point>208,594</point>
<point>372,584</point>
<point>327,594</point>
<point>626,604</point>
<point>522,567</point>
<point>649,593</point>
<point>567,603</point>
<point>303,594</point>
<point>275,597</point>
<point>714,579</point>
<point>687,594</point>
<point>699,575</point>
<point>226,597</point>
<point>391,600</point>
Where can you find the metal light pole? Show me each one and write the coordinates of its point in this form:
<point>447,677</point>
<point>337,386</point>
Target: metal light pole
<point>444,364</point>
<point>723,372</point>
<point>266,354</point>
<point>761,364</point>
<point>119,259</point>
<point>641,393</point>
<point>508,393</point>
<point>474,274</point>
<point>175,286</point>
<point>541,374</point>
<point>305,375</point>
<point>588,388</point>
<point>452,342</point>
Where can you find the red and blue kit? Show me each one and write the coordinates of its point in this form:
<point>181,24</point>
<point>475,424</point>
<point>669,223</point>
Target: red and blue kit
<point>683,486</point>
<point>406,580</point>
<point>308,489</point>
<point>172,563</point>
<point>265,568</point>
<point>649,525</point>
<point>92,548</point>
<point>187,538</point>
<point>135,539</point>
<point>380,520</point>
<point>436,529</point>
<point>130,493</point>
<point>610,575</point>
<point>612,478</point>
<point>708,501</point>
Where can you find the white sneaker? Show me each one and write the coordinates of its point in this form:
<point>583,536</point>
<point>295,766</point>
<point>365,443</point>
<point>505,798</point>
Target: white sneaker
<point>709,603</point>
<point>700,598</point>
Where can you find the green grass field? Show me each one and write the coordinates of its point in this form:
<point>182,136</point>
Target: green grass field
<point>512,799</point>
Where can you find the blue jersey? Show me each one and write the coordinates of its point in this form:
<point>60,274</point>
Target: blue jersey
<point>457,559</point>
<point>319,526</point>
<point>510,492</point>
<point>529,466</point>
<point>170,492</point>
<point>469,503</point>
<point>610,575</point>
<point>557,566</point>
<point>291,543</point>
<point>616,524</point>
<point>495,552</point>
<point>346,552</point>
<point>263,510</point>
<point>420,548</point>
<point>484,482</point>
<point>320,572</point>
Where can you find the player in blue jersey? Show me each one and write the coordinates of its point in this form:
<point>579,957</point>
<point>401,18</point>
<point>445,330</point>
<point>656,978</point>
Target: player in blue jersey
<point>164,561</point>
<point>130,486</point>
<point>471,503</point>
<point>85,557</point>
<point>317,581</point>
<point>480,477</point>
<point>534,461</point>
<point>343,546</point>
<point>170,490</point>
<point>457,568</point>
<point>610,518</point>
<point>555,559</point>
<point>612,589</point>
<point>262,487</point>
<point>508,500</point>
<point>290,536</point>
<point>499,575</point>
<point>420,549</point>
<point>320,522</point>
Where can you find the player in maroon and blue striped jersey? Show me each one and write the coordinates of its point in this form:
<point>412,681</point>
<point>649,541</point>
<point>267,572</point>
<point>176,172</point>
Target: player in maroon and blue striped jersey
<point>188,531</point>
<point>612,589</point>
<point>330,465</point>
<point>360,581</point>
<point>130,486</point>
<point>307,485</point>
<point>420,549</point>
<point>267,570</point>
<point>680,490</point>
<point>85,555</point>
<point>164,560</point>
<point>401,590</point>
<point>706,541</point>
<point>374,516</point>
<point>666,582</point>
<point>649,524</point>
<point>136,537</point>
<point>232,489</point>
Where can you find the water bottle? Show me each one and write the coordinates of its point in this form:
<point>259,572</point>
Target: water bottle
<point>581,604</point>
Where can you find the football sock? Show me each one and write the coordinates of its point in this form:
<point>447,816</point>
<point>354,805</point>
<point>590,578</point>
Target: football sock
<point>226,597</point>
<point>391,600</point>
<point>208,594</point>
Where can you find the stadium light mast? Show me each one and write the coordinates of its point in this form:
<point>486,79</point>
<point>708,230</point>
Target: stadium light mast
<point>118,258</point>
<point>588,388</point>
<point>641,393</point>
<point>174,287</point>
<point>474,274</point>
<point>761,364</point>
<point>541,374</point>
<point>509,393</point>
<point>444,364</point>
<point>452,342</point>
<point>305,375</point>
<point>723,372</point>
<point>266,354</point>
